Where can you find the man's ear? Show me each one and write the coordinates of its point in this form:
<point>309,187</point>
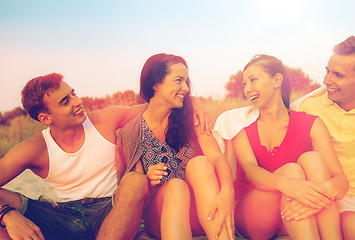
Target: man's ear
<point>45,118</point>
<point>278,79</point>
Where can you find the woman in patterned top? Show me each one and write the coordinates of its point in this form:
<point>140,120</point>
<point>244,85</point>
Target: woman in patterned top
<point>286,163</point>
<point>168,149</point>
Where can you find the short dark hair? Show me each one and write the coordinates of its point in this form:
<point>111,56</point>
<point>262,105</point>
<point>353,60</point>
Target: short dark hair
<point>272,66</point>
<point>346,47</point>
<point>33,92</point>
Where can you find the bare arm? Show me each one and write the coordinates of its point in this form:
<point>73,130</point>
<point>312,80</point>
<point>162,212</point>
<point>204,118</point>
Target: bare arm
<point>224,201</point>
<point>335,187</point>
<point>322,143</point>
<point>116,116</point>
<point>28,154</point>
<point>112,118</point>
<point>260,177</point>
<point>201,117</point>
<point>211,150</point>
<point>306,192</point>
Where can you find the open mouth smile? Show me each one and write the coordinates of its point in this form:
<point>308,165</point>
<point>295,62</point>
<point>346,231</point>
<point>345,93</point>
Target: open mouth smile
<point>333,90</point>
<point>180,96</point>
<point>78,112</point>
<point>252,98</point>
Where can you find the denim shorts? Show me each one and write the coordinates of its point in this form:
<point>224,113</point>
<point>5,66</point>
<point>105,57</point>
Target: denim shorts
<point>79,220</point>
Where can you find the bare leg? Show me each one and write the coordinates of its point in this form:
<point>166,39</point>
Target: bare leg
<point>257,214</point>
<point>167,215</point>
<point>11,198</point>
<point>316,171</point>
<point>124,219</point>
<point>347,221</point>
<point>302,229</point>
<point>201,176</point>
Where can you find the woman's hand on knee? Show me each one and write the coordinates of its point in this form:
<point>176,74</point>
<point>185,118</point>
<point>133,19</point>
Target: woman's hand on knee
<point>307,193</point>
<point>223,203</point>
<point>297,211</point>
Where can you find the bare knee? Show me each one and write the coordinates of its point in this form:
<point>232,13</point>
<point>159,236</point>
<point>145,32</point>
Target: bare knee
<point>292,170</point>
<point>133,187</point>
<point>258,214</point>
<point>176,190</point>
<point>200,165</point>
<point>314,166</point>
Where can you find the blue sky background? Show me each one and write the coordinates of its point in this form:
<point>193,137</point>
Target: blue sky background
<point>101,46</point>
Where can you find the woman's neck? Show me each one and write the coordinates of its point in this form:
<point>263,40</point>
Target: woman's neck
<point>157,116</point>
<point>275,113</point>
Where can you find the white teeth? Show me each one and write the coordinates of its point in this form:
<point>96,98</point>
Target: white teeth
<point>333,90</point>
<point>78,111</point>
<point>254,97</point>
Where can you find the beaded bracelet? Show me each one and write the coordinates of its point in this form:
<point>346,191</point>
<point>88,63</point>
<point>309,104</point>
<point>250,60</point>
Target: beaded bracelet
<point>5,209</point>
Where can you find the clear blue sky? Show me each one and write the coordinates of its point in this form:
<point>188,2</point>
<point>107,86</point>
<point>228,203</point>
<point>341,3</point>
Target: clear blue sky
<point>101,46</point>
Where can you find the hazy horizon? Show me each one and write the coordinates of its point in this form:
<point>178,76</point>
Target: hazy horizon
<point>101,46</point>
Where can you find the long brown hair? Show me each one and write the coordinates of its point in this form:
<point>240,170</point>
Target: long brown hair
<point>180,122</point>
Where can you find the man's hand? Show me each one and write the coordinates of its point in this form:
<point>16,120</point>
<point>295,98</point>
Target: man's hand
<point>19,227</point>
<point>201,117</point>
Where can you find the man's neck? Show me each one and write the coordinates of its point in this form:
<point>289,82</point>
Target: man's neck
<point>69,140</point>
<point>347,106</point>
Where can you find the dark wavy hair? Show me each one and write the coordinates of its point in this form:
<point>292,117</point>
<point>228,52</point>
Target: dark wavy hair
<point>180,122</point>
<point>272,66</point>
<point>33,92</point>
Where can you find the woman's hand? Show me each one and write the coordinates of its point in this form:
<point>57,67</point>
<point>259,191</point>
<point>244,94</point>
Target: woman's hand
<point>155,173</point>
<point>310,194</point>
<point>224,205</point>
<point>297,211</point>
<point>201,116</point>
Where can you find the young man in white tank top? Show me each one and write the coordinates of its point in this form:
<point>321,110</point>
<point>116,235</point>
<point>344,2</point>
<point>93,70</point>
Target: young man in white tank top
<point>75,157</point>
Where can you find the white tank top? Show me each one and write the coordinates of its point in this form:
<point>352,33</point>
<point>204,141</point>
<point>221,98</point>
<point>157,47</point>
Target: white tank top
<point>89,172</point>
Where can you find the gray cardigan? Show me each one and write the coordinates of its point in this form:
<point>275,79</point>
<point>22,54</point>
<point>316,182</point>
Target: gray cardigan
<point>129,146</point>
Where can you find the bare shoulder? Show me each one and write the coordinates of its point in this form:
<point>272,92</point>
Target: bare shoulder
<point>318,126</point>
<point>30,152</point>
<point>319,131</point>
<point>112,114</point>
<point>240,136</point>
<point>115,116</point>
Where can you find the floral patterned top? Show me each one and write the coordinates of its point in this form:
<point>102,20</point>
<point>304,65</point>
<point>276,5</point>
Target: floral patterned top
<point>155,152</point>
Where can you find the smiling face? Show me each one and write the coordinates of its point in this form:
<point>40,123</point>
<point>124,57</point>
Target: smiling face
<point>174,87</point>
<point>340,80</point>
<point>65,108</point>
<point>259,86</point>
